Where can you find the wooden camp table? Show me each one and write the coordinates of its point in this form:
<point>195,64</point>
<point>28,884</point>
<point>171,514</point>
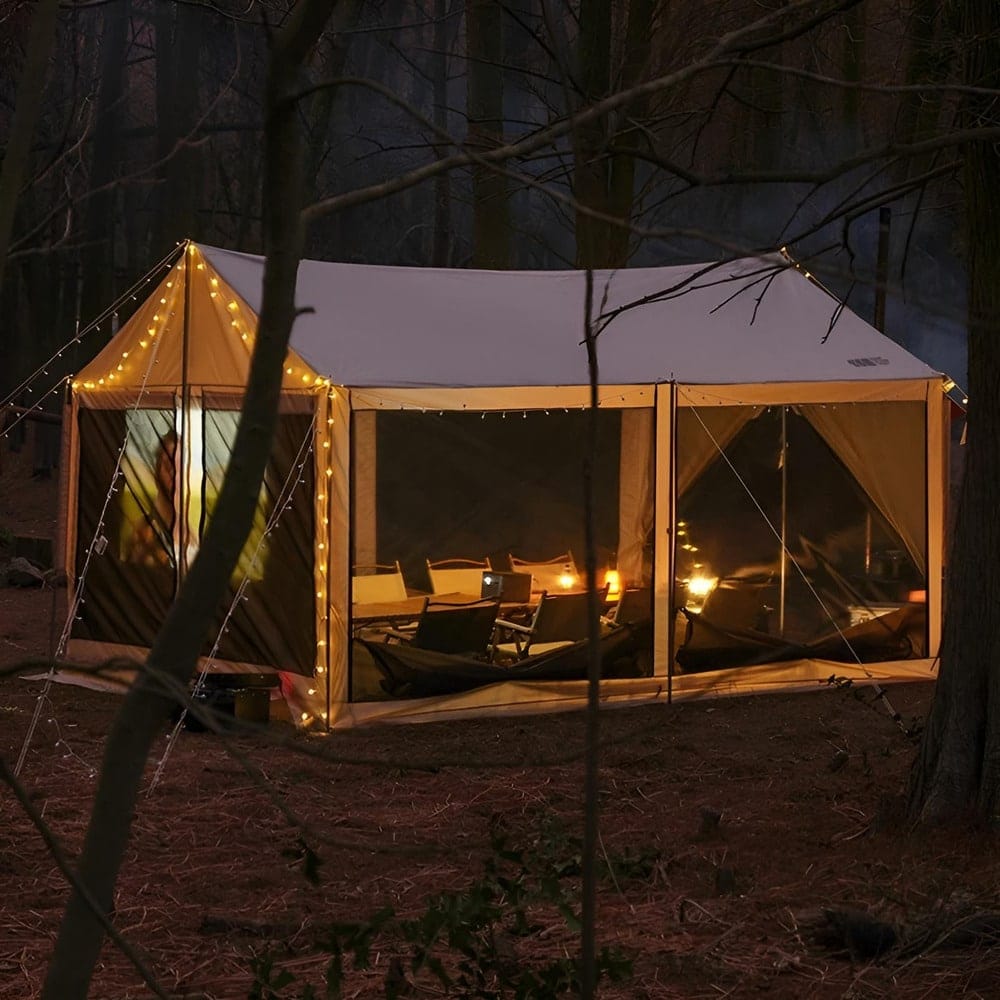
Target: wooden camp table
<point>395,612</point>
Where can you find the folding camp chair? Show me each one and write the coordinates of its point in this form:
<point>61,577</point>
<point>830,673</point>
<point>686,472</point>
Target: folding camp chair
<point>553,575</point>
<point>634,606</point>
<point>457,576</point>
<point>377,584</point>
<point>456,629</point>
<point>559,620</point>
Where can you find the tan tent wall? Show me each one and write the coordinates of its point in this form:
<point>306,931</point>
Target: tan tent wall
<point>155,348</point>
<point>364,463</point>
<point>883,448</point>
<point>636,477</point>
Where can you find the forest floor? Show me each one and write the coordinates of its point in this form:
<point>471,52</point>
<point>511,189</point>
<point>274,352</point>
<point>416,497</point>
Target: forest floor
<point>253,845</point>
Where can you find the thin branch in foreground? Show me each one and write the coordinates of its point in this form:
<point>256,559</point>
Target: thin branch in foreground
<point>59,856</point>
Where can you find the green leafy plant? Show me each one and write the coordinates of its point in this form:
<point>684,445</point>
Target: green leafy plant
<point>465,941</point>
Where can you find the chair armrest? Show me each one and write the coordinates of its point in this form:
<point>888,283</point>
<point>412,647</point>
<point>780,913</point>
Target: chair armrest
<point>395,633</point>
<point>513,626</point>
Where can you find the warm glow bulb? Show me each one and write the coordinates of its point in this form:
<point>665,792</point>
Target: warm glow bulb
<point>613,581</point>
<point>701,586</point>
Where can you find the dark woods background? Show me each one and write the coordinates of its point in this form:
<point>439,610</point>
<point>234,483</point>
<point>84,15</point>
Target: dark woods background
<point>151,132</point>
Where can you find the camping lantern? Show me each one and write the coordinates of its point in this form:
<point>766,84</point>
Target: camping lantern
<point>699,588</point>
<point>612,580</point>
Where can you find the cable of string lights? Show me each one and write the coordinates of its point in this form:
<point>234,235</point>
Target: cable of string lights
<point>285,495</point>
<point>78,592</point>
<point>95,324</point>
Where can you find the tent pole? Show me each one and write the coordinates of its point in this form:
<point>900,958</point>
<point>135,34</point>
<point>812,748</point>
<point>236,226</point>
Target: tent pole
<point>784,519</point>
<point>672,557</point>
<point>184,450</point>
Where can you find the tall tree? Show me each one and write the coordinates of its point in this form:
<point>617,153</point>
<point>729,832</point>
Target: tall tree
<point>30,91</point>
<point>490,208</point>
<point>441,236</point>
<point>179,642</point>
<point>178,44</point>
<point>957,773</point>
<point>605,148</point>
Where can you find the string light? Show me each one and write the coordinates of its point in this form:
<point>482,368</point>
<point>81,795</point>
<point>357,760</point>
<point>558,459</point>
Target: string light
<point>97,545</point>
<point>94,325</point>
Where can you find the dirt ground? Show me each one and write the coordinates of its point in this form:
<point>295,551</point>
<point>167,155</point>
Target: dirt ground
<point>215,875</point>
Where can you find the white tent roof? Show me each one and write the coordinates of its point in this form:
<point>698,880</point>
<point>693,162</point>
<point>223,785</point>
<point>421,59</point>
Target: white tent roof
<point>749,321</point>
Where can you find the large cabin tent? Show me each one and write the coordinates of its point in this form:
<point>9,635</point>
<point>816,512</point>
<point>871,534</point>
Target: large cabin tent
<point>769,472</point>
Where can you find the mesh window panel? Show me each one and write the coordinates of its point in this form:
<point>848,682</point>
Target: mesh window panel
<point>274,625</point>
<point>484,487</point>
<point>848,588</point>
<point>131,576</point>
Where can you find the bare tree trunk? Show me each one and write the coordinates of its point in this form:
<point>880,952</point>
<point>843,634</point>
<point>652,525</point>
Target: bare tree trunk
<point>177,646</point>
<point>621,183</point>
<point>957,773</point>
<point>925,59</point>
<point>490,210</point>
<point>323,108</point>
<point>591,167</point>
<point>604,168</point>
<point>99,229</point>
<point>853,68</point>
<point>178,46</point>
<point>30,89</point>
<point>441,240</point>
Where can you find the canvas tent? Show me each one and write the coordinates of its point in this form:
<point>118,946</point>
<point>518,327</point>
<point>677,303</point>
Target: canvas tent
<point>769,472</point>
